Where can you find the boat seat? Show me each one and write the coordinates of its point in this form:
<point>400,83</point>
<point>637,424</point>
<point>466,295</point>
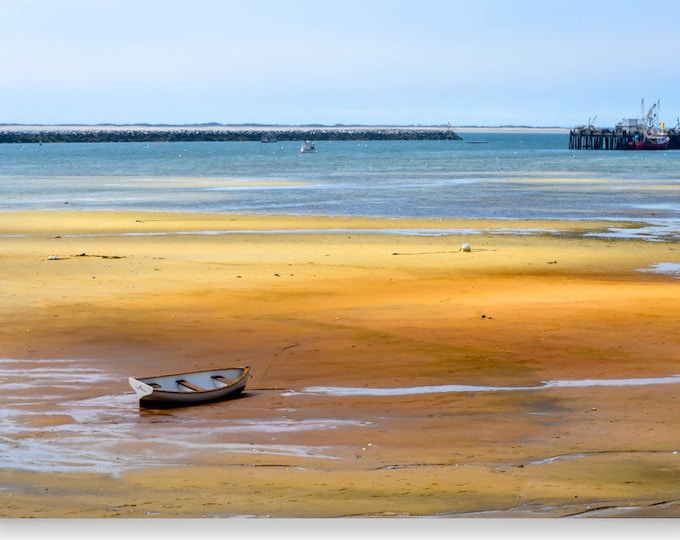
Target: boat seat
<point>223,379</point>
<point>190,385</point>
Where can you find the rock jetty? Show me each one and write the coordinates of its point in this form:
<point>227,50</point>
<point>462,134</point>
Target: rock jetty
<point>218,132</point>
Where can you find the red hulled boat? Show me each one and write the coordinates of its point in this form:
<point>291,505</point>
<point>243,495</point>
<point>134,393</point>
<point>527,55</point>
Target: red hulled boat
<point>650,136</point>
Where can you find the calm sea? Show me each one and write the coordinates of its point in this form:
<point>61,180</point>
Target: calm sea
<point>486,175</point>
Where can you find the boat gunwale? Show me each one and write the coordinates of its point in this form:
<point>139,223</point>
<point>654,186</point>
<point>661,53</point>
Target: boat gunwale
<point>146,380</point>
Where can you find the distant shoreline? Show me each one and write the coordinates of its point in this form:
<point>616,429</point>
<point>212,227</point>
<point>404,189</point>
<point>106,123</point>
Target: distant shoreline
<point>19,133</point>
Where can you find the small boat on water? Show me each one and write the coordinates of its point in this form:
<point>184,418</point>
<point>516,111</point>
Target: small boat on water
<point>190,388</point>
<point>307,147</point>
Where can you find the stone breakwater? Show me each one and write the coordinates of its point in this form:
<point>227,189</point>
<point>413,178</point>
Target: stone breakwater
<point>81,134</point>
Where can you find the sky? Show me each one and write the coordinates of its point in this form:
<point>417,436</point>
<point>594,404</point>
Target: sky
<point>372,62</point>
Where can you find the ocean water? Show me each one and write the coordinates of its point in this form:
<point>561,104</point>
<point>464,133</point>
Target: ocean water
<point>486,175</point>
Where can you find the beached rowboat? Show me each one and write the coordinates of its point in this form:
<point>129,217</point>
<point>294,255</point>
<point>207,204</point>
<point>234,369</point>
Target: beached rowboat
<point>190,388</point>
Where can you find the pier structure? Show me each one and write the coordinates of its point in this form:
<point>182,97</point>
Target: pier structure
<point>646,132</point>
<point>592,138</point>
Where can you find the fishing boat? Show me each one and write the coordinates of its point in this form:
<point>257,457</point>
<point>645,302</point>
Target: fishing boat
<point>650,142</point>
<point>651,135</point>
<point>307,147</point>
<point>190,388</point>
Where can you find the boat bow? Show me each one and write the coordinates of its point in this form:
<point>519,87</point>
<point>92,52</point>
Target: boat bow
<point>141,389</point>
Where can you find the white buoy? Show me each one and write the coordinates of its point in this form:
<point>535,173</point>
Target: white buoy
<point>465,247</point>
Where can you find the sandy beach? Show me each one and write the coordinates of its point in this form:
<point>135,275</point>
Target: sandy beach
<point>394,374</point>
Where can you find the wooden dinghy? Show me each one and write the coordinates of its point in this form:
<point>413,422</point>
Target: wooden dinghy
<point>190,388</point>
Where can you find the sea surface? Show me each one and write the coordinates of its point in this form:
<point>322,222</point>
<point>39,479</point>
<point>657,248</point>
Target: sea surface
<point>486,175</point>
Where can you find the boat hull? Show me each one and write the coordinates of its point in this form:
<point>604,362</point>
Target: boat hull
<point>660,143</point>
<point>181,389</point>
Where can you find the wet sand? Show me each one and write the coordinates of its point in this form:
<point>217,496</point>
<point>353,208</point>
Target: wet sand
<point>532,376</point>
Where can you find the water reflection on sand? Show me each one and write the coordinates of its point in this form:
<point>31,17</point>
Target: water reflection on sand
<point>68,415</point>
<point>52,422</point>
<point>448,388</point>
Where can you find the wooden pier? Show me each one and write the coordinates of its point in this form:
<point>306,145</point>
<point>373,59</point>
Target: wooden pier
<point>592,138</point>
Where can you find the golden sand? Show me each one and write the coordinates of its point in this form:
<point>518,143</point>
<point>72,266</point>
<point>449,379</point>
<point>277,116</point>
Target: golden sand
<point>324,302</point>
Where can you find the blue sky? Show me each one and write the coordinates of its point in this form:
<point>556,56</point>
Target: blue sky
<point>423,62</point>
